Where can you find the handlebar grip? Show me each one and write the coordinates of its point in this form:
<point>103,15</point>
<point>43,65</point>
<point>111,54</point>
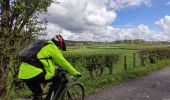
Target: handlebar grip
<point>78,75</point>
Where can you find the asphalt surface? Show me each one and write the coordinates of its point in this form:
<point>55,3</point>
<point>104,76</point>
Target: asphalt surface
<point>155,86</point>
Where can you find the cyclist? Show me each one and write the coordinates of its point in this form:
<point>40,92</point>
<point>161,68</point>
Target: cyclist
<point>34,75</point>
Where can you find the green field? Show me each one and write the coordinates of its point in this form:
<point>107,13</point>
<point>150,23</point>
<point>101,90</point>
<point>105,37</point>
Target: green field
<point>121,49</point>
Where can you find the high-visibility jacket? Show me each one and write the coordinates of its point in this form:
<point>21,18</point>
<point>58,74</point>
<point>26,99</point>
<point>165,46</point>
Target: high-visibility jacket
<point>27,71</point>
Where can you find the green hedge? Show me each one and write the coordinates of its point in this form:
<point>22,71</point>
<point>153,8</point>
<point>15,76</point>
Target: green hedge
<point>93,62</point>
<point>154,55</point>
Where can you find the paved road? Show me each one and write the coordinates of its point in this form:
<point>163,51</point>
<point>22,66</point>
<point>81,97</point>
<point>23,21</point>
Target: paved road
<point>155,86</point>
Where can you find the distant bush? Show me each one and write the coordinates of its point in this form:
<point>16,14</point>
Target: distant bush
<point>94,62</point>
<point>153,55</point>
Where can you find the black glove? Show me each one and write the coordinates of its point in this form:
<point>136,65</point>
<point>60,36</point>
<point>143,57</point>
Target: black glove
<point>78,75</point>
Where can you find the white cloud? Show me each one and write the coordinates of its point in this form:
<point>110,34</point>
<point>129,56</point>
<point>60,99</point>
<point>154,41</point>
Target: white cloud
<point>119,4</point>
<point>90,20</point>
<point>164,24</point>
<point>80,15</point>
<point>140,32</point>
<point>144,29</point>
<point>168,3</point>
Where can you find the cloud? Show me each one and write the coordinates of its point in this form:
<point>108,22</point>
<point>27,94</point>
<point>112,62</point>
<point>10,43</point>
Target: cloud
<point>144,29</point>
<point>164,24</point>
<point>80,15</point>
<point>90,20</point>
<point>168,3</point>
<point>140,32</point>
<point>119,4</point>
<point>110,33</point>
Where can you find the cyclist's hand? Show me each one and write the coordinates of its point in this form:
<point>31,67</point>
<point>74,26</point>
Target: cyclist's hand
<point>78,75</point>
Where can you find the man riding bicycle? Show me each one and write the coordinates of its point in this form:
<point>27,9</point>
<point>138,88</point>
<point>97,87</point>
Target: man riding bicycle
<point>44,71</point>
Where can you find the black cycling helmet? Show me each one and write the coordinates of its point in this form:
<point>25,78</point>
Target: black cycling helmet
<point>59,41</point>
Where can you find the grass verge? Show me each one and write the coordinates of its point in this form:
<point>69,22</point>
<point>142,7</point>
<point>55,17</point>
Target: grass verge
<point>93,85</point>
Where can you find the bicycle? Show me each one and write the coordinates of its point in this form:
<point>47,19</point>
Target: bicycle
<point>73,90</point>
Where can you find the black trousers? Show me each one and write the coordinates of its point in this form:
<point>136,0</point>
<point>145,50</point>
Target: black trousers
<point>34,85</point>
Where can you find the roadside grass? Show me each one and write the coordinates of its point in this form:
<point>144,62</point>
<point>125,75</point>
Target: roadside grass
<point>118,76</point>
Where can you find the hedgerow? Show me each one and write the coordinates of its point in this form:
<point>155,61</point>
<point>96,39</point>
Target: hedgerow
<point>153,55</point>
<point>94,62</point>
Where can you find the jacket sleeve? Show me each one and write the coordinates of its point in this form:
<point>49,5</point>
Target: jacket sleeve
<point>60,60</point>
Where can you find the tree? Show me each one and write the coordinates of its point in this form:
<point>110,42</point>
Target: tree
<point>18,25</point>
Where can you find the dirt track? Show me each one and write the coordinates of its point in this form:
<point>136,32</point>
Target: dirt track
<point>155,86</point>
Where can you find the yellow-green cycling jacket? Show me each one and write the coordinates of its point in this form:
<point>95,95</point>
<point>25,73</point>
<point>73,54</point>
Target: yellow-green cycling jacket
<point>27,71</point>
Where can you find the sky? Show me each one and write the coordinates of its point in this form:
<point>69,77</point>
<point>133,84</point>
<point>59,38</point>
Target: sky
<point>109,20</point>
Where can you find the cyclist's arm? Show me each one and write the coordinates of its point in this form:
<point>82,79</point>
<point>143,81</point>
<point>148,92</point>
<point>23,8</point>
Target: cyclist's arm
<point>60,60</point>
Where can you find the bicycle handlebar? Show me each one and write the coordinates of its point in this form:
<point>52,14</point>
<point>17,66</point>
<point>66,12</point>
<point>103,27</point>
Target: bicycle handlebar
<point>63,71</point>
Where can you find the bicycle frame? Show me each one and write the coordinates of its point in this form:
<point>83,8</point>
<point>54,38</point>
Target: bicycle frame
<point>57,90</point>
<point>64,91</point>
<point>54,93</point>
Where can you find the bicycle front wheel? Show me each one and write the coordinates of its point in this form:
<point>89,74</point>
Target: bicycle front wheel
<point>74,91</point>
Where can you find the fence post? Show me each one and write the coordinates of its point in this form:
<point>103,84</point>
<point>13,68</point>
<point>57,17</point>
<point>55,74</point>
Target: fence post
<point>142,59</point>
<point>134,60</point>
<point>125,63</point>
